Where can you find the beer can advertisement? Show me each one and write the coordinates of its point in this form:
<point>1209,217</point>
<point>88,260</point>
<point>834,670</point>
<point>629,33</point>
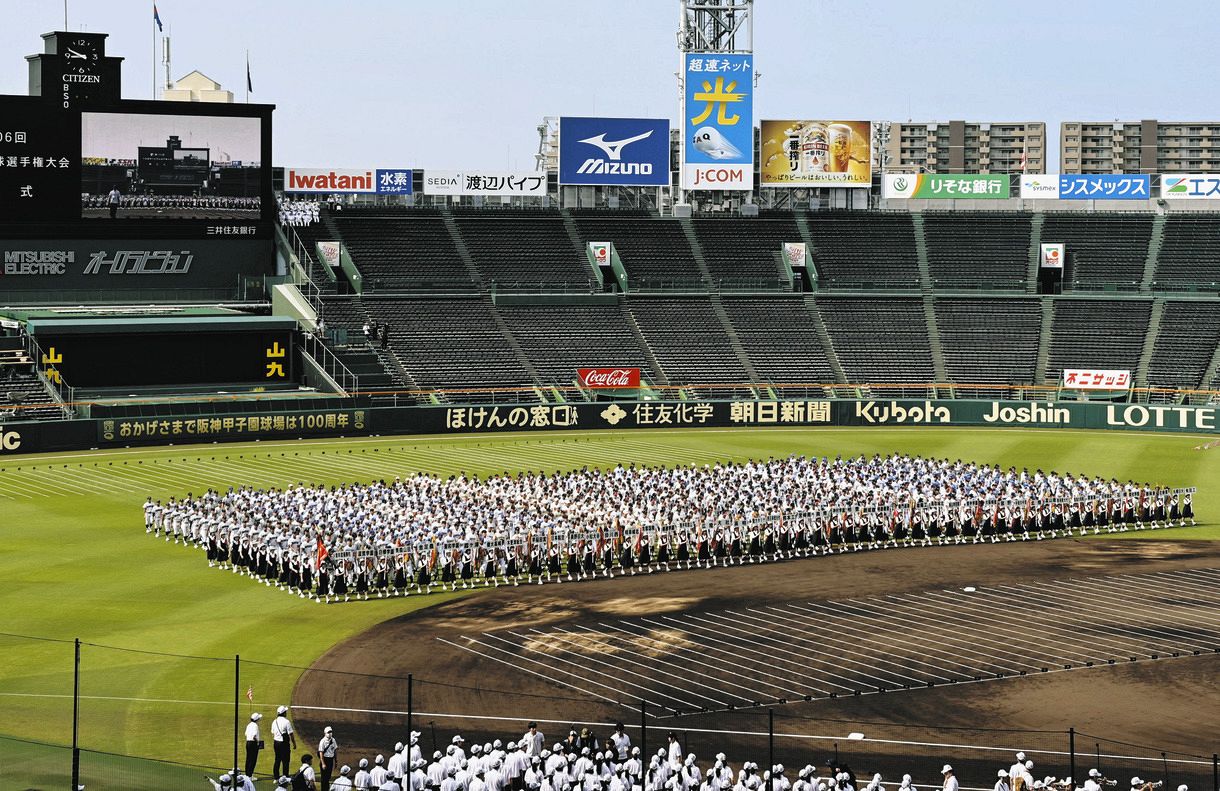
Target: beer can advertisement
<point>816,153</point>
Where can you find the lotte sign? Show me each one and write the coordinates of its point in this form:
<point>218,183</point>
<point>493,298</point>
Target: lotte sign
<point>609,378</point>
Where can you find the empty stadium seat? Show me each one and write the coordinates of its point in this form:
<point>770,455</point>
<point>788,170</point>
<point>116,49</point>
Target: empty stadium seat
<point>1190,253</point>
<point>745,252</point>
<point>883,340</point>
<point>780,338</point>
<point>977,249</point>
<point>688,340</point>
<point>989,340</point>
<point>1097,333</point>
<point>1188,335</point>
<point>1104,251</point>
<point>525,251</point>
<point>864,249</point>
<point>654,251</point>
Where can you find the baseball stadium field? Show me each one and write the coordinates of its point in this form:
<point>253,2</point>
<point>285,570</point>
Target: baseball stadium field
<point>163,629</point>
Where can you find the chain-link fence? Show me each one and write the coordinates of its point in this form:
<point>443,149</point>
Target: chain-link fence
<point>154,719</point>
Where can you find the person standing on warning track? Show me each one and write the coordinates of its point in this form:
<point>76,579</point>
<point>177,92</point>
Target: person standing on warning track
<point>283,742</point>
<point>533,740</point>
<point>328,748</point>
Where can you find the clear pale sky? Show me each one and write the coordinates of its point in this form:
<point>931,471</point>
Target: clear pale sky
<point>464,83</point>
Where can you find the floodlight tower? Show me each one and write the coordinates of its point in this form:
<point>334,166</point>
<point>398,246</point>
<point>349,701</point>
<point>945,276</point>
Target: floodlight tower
<point>713,26</point>
<point>716,26</point>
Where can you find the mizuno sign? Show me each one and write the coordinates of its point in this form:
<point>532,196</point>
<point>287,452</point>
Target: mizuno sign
<point>615,151</point>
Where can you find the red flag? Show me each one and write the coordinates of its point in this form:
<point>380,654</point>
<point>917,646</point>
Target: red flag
<point>322,554</point>
<point>250,694</point>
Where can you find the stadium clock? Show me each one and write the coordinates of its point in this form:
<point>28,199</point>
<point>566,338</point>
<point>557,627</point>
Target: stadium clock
<point>82,76</point>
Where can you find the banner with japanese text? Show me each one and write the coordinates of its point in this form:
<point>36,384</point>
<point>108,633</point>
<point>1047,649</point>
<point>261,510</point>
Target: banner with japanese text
<point>1190,186</point>
<point>348,181</point>
<point>815,154</point>
<point>1096,379</point>
<point>946,186</point>
<point>483,182</point>
<point>18,438</point>
<point>718,121</point>
<point>1086,186</point>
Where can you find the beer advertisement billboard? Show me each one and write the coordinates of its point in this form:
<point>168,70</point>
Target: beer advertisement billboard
<point>816,153</point>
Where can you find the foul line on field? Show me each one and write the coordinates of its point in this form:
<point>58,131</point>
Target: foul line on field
<point>762,734</point>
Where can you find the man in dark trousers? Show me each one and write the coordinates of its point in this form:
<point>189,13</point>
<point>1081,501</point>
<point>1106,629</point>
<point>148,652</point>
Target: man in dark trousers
<point>328,749</point>
<point>283,742</point>
<point>112,200</point>
<point>385,335</point>
<point>254,743</point>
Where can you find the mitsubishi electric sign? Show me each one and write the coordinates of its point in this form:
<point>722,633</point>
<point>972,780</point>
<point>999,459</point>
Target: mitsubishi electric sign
<point>619,151</point>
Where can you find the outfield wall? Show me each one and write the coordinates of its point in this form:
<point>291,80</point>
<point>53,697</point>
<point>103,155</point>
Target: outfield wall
<point>233,426</point>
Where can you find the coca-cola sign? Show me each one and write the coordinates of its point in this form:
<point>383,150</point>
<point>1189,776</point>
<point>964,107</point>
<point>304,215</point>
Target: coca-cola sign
<point>609,378</point>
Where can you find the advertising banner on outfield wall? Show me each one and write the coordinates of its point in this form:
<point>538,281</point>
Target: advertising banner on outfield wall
<point>815,154</point>
<point>718,122</point>
<point>945,186</point>
<point>16,438</point>
<point>484,182</point>
<point>1096,379</point>
<point>626,152</point>
<point>348,181</point>
<point>1086,186</point>
<point>1190,186</point>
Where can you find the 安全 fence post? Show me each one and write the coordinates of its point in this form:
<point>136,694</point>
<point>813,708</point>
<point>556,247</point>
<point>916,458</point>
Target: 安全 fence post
<point>236,706</point>
<point>410,701</point>
<point>644,733</point>
<point>1215,772</point>
<point>1072,754</point>
<point>76,717</point>
<point>771,749</point>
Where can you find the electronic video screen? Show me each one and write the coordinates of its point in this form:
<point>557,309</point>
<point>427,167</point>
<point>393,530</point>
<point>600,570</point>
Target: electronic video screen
<point>177,167</point>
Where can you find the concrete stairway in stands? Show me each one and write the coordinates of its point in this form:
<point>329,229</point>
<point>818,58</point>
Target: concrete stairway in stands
<point>658,373</point>
<point>1044,342</point>
<point>1154,253</point>
<point>832,356</point>
<point>1154,330</point>
<point>1035,252</point>
<point>696,250</point>
<point>463,251</point>
<point>731,335</point>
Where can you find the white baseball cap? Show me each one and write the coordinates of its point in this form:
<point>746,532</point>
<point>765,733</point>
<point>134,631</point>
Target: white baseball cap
<point>1002,773</point>
<point>946,768</point>
<point>282,710</point>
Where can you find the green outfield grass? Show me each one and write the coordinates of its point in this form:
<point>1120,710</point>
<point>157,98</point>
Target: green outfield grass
<point>75,561</point>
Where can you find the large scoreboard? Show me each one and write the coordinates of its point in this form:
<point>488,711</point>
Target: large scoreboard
<point>94,188</point>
